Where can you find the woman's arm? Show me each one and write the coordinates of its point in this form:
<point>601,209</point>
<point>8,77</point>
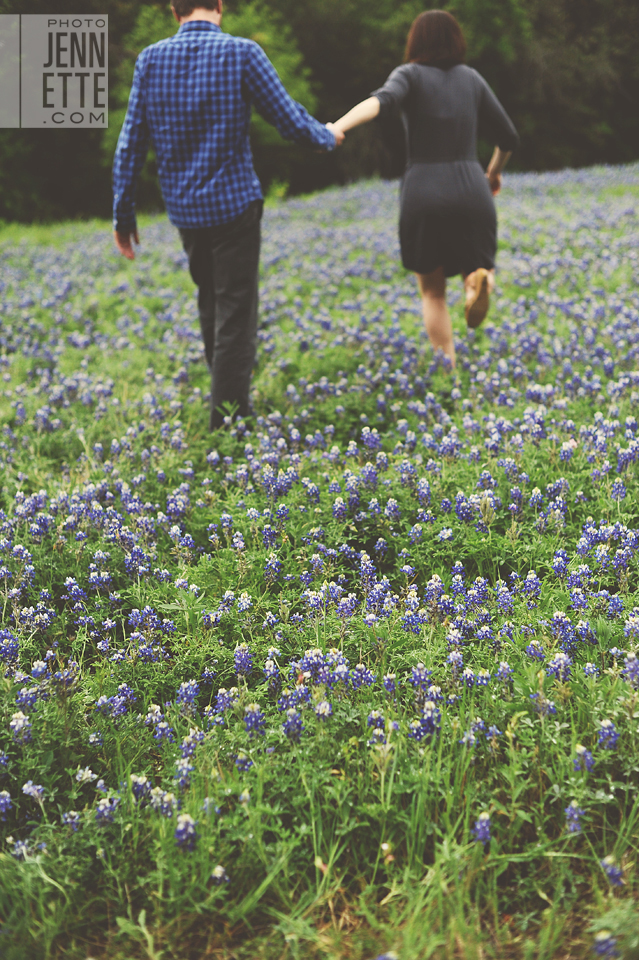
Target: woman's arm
<point>494,170</point>
<point>362,113</point>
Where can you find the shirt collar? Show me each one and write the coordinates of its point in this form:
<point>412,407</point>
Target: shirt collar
<point>194,25</point>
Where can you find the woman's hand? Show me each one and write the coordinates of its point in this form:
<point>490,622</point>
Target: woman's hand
<point>497,163</point>
<point>494,181</point>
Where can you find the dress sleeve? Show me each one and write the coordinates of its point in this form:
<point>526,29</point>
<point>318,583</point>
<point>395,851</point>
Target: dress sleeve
<point>494,119</point>
<point>392,95</point>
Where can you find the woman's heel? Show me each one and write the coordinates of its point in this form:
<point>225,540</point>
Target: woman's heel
<point>477,306</point>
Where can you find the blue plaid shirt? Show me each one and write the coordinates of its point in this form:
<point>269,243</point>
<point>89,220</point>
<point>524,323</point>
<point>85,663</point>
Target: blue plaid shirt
<point>191,98</point>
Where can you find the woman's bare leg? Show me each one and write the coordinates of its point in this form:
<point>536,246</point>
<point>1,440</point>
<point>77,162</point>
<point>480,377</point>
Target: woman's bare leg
<point>432,287</point>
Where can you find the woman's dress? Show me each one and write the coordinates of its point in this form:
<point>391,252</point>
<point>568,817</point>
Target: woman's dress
<point>448,216</point>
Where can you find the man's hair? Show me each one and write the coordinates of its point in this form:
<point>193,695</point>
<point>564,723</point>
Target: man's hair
<point>184,8</point>
<point>436,38</point>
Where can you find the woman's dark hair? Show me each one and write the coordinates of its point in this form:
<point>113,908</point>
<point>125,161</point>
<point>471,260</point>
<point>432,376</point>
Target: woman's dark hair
<point>435,37</point>
<point>184,8</point>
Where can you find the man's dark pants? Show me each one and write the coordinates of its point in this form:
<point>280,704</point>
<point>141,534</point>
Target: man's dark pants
<point>224,263</point>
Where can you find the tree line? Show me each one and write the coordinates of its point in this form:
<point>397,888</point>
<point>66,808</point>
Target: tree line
<point>566,70</point>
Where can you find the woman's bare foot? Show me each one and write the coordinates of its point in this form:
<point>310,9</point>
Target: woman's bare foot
<point>479,286</point>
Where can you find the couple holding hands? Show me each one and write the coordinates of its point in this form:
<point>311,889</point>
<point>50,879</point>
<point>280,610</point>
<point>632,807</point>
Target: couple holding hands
<point>191,98</point>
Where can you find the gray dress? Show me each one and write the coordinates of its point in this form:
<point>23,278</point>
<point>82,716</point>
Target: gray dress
<point>447,215</point>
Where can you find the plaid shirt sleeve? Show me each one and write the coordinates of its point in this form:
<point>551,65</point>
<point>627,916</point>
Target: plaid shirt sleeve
<point>130,155</point>
<point>291,120</point>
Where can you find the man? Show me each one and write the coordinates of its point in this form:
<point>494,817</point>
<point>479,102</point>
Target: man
<point>191,97</point>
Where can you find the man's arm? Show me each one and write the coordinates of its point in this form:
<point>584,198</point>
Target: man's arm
<point>130,154</point>
<point>291,120</point>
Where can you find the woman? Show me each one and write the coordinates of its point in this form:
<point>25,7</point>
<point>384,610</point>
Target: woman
<point>448,223</point>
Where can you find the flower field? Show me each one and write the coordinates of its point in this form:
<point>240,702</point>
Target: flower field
<point>356,677</point>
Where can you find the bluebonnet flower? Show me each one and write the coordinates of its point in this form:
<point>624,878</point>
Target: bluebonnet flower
<point>9,646</point>
<point>243,660</point>
<point>456,662</point>
<point>154,715</point>
<point>375,719</point>
<point>5,804</point>
<point>324,710</point>
<point>612,871</point>
<point>420,677</point>
<point>560,564</point>
<point>85,775</point>
<point>605,945</point>
<point>254,720</point>
<point>39,669</point>
<point>105,810</point>
<point>208,675</point>
<point>140,786</point>
<point>618,491</point>
<point>468,678</point>
<point>428,725</point>
<point>190,742</point>
<point>630,670</point>
<point>492,733</point>
<point>186,835</point>
<point>183,771</point>
<point>608,735</point>
<point>392,511</point>
<point>164,731</point>
<point>361,675</point>
<point>187,694</point>
<point>243,762</point>
<point>219,875</point>
<point>584,759</point>
<point>543,705</point>
<point>271,673</point>
<point>481,830</point>
<point>244,602</point>
<point>272,568</point>
<point>463,508</point>
<point>71,819</point>
<point>389,683</point>
<point>559,666</point>
<point>573,817</point>
<point>20,727</point>
<point>377,738</point>
<point>504,673</point>
<point>535,650</point>
<point>292,725</point>
<point>536,498</point>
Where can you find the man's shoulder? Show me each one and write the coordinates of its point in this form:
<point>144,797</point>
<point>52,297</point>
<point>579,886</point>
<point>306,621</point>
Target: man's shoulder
<point>242,44</point>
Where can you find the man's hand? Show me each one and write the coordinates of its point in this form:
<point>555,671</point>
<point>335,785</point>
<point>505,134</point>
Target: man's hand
<point>494,182</point>
<point>339,136</point>
<point>123,243</point>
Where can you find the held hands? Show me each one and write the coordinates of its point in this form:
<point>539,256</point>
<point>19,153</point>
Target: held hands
<point>337,133</point>
<point>123,243</point>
